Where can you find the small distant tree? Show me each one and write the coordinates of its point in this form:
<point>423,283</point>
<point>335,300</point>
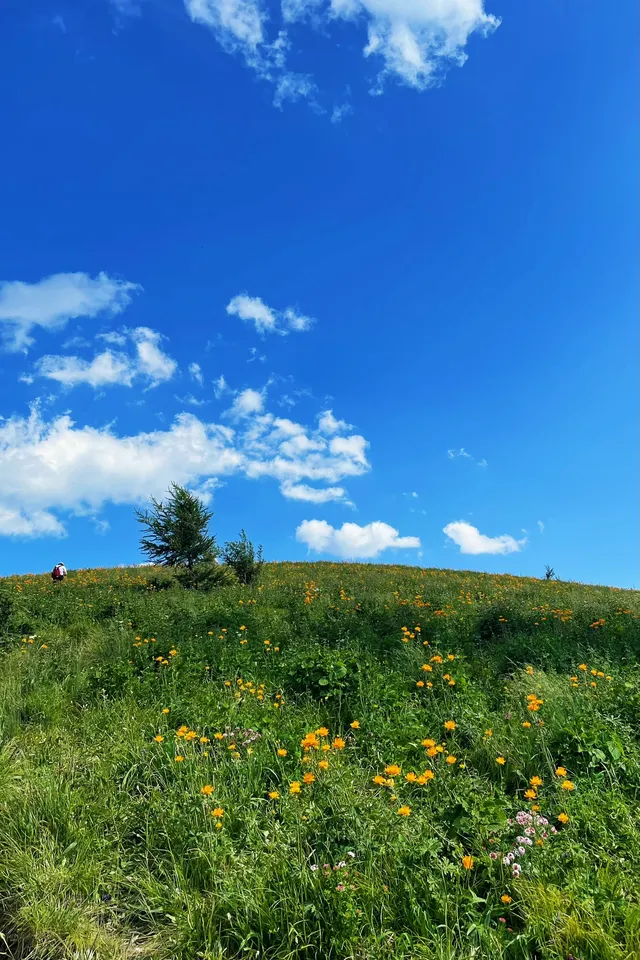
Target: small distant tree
<point>177,534</point>
<point>242,557</point>
<point>549,573</point>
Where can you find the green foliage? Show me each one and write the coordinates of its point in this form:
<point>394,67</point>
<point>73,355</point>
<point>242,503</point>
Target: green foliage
<point>127,695</point>
<point>242,557</point>
<point>176,530</point>
<point>206,576</point>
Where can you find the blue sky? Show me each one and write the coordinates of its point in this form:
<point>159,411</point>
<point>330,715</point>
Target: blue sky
<point>367,263</point>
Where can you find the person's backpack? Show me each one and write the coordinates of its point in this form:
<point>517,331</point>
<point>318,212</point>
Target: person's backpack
<point>56,573</point>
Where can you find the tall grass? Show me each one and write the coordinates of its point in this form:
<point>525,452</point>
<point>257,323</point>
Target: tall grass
<point>109,848</point>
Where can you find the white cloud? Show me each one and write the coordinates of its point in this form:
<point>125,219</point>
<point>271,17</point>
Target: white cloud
<point>452,454</point>
<point>109,367</point>
<point>302,491</point>
<point>252,308</point>
<point>105,369</point>
<point>352,540</point>
<point>297,321</point>
<point>50,303</point>
<point>328,424</point>
<point>540,526</point>
<point>196,373</point>
<point>220,386</point>
<point>471,541</point>
<point>265,318</point>
<point>246,404</point>
<point>152,362</point>
<point>40,523</point>
<point>53,466</point>
<point>417,39</point>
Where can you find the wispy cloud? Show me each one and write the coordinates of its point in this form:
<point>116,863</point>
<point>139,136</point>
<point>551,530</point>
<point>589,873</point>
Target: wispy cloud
<point>196,373</point>
<point>461,452</point>
<point>51,302</point>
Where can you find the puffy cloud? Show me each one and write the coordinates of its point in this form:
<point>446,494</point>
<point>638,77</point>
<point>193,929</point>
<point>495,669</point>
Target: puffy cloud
<point>246,404</point>
<point>14,523</point>
<point>352,540</point>
<point>253,308</point>
<point>196,372</point>
<point>53,301</point>
<point>53,466</point>
<point>416,39</point>
<point>238,24</point>
<point>327,423</point>
<point>265,318</point>
<point>471,541</point>
<point>109,367</point>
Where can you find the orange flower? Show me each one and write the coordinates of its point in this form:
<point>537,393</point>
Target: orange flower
<point>207,790</point>
<point>338,744</point>
<point>295,787</point>
<point>467,862</point>
<point>392,770</point>
<point>404,811</point>
<point>451,760</point>
<point>535,782</point>
<point>449,724</point>
<point>568,785</point>
<point>355,725</point>
<point>282,752</point>
<point>308,778</point>
<point>530,794</point>
<point>218,812</point>
<point>506,898</point>
<point>561,772</point>
<point>411,777</point>
<point>323,765</point>
<point>563,818</point>
<point>322,732</point>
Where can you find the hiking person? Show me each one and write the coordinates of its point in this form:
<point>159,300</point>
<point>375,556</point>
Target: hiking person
<point>59,572</point>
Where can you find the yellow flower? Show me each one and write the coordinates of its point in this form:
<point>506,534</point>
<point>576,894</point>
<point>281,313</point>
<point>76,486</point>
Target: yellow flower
<point>355,725</point>
<point>218,825</point>
<point>179,758</point>
<point>535,782</point>
<point>295,787</point>
<point>323,765</point>
<point>561,772</point>
<point>392,770</point>
<point>420,683</point>
<point>243,628</point>
<point>563,818</point>
<point>411,777</point>
<point>274,795</point>
<point>427,668</point>
<point>158,738</point>
<point>449,724</point>
<point>218,736</point>
<point>488,733</point>
<point>526,724</point>
<point>204,739</point>
<point>338,744</point>
<point>308,778</point>
<point>428,743</point>
<point>467,862</point>
<point>582,666</point>
<point>325,747</point>
<point>173,653</point>
<point>207,790</point>
<point>322,732</point>
<point>568,785</point>
<point>403,811</point>
<point>165,709</point>
<point>530,794</point>
<point>506,898</point>
<point>282,752</point>
<point>501,761</point>
<point>218,812</point>
<point>379,781</point>
<point>451,759</point>
<point>432,752</point>
<point>428,775</point>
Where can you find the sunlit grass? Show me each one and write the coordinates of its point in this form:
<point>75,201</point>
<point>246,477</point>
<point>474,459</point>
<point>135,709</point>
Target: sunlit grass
<point>346,761</point>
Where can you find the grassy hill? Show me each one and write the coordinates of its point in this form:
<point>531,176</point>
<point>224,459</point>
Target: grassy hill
<point>346,761</point>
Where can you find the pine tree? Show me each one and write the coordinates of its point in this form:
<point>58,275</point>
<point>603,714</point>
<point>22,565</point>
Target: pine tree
<point>176,530</point>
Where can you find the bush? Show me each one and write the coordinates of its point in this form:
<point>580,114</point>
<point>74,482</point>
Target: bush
<point>241,556</point>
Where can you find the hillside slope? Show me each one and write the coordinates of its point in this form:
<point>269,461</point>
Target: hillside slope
<point>347,761</point>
